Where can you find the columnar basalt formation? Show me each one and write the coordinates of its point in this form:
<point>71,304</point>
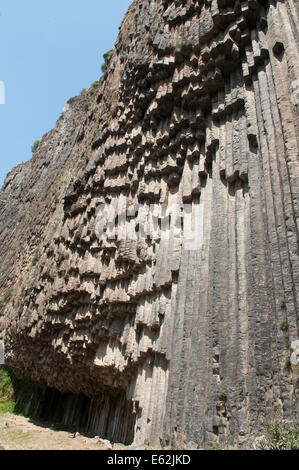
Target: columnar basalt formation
<point>150,339</point>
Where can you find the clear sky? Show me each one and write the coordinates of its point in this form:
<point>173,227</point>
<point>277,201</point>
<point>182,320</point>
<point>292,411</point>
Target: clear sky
<point>49,51</point>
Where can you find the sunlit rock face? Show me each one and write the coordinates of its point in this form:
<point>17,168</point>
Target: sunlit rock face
<point>171,322</point>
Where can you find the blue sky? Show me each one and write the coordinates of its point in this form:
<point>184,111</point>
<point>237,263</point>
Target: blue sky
<point>49,52</point>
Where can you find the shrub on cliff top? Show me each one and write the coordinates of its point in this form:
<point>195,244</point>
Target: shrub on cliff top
<point>35,146</point>
<point>106,57</point>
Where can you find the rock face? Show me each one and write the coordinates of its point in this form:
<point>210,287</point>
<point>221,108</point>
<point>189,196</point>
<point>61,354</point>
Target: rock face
<point>154,338</point>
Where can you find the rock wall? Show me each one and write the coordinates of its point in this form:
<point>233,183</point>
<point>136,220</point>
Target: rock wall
<point>170,342</point>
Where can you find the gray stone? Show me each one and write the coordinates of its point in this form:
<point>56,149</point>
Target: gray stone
<point>158,340</point>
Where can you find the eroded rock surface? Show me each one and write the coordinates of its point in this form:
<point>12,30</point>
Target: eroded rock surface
<point>167,343</point>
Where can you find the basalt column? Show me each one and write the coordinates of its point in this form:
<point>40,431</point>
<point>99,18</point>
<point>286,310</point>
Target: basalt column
<point>170,341</point>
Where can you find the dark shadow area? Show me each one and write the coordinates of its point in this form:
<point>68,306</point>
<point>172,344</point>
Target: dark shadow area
<point>109,416</point>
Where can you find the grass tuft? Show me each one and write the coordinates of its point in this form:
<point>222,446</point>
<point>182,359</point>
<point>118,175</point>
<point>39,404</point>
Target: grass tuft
<point>280,436</point>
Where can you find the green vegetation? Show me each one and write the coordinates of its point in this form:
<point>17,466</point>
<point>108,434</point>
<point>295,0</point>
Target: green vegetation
<point>106,58</point>
<point>223,394</point>
<point>6,407</point>
<point>93,89</point>
<point>95,84</point>
<point>7,295</point>
<point>282,302</point>
<point>35,146</point>
<point>7,384</point>
<point>284,324</point>
<point>17,395</point>
<point>280,436</point>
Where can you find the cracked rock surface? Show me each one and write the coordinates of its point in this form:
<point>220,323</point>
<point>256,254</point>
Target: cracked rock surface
<point>149,340</point>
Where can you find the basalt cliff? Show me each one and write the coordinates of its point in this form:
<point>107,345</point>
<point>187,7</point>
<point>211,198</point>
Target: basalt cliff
<point>153,338</point>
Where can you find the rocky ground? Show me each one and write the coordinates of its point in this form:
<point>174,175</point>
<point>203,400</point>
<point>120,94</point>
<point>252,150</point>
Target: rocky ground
<point>20,433</point>
<point>178,324</point>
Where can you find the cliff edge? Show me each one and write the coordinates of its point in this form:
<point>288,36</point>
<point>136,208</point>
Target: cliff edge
<point>149,250</point>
